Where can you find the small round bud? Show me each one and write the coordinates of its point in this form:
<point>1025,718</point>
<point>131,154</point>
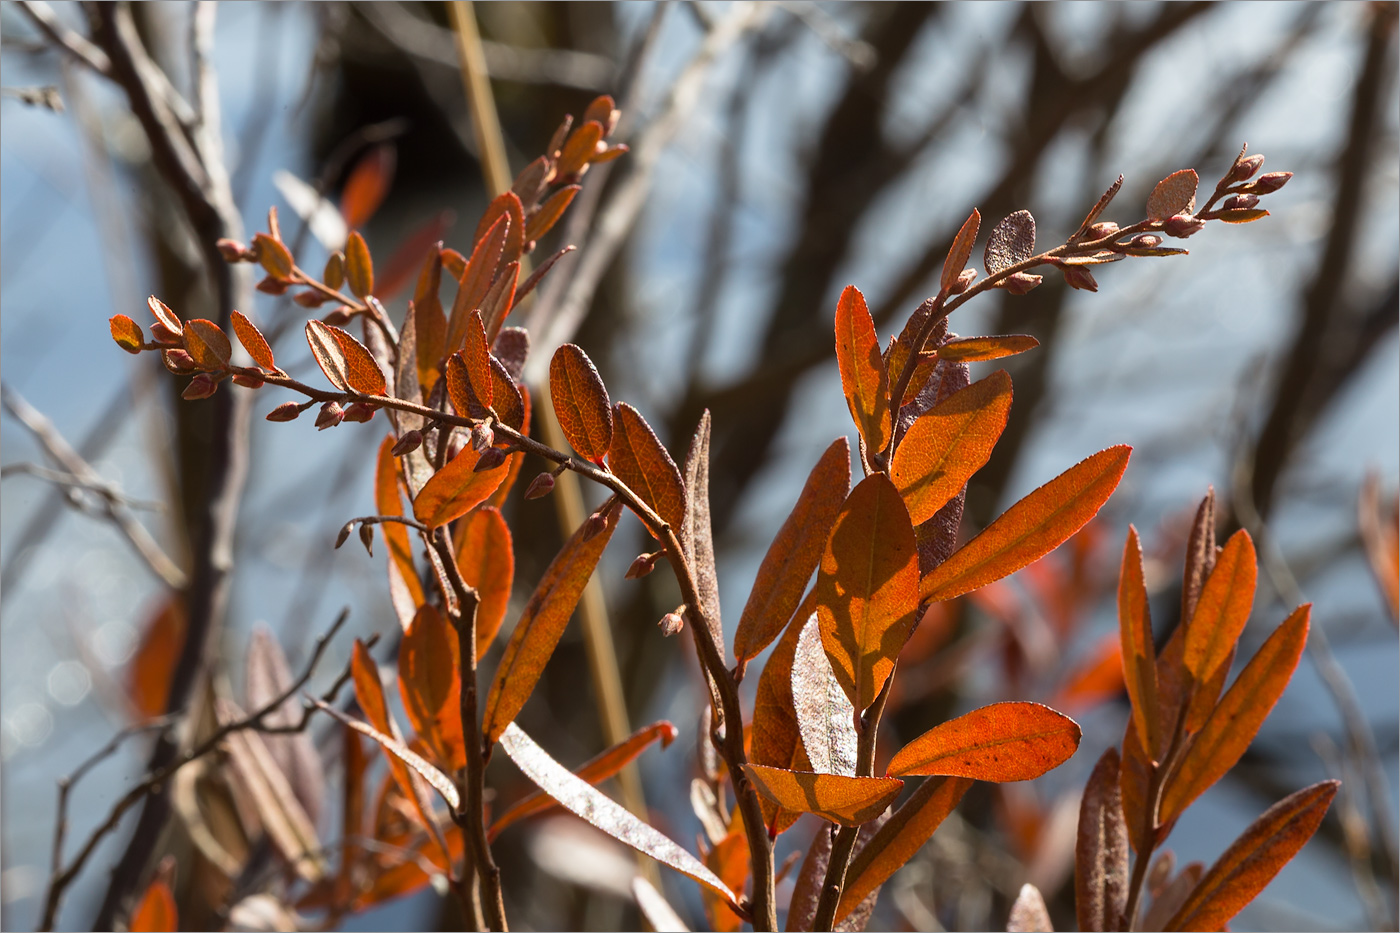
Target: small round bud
<point>331,414</point>
<point>643,565</point>
<point>1182,226</point>
<point>1240,202</point>
<point>492,458</point>
<point>337,318</point>
<point>1021,282</point>
<point>232,250</point>
<point>407,444</point>
<point>367,538</point>
<point>162,334</point>
<point>178,362</point>
<point>310,299</point>
<point>273,286</point>
<point>360,412</point>
<point>540,486</point>
<point>482,437</point>
<point>287,411</point>
<point>1102,229</point>
<point>1270,182</point>
<point>964,282</point>
<point>1245,168</point>
<point>594,526</point>
<point>1145,241</point>
<point>671,623</point>
<point>1081,278</point>
<point>342,537</point>
<point>202,385</point>
<point>248,380</point>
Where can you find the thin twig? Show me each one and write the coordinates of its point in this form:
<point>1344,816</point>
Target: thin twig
<point>100,488</point>
<point>70,41</point>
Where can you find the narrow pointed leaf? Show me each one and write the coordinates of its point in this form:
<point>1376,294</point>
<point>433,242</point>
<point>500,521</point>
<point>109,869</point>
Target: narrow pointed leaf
<point>587,802</point>
<point>595,771</point>
<point>476,278</point>
<point>266,677</point>
<point>1175,194</point>
<point>456,489</point>
<point>499,300</point>
<point>254,342</point>
<point>1200,555</point>
<point>960,251</point>
<point>359,268</point>
<point>207,344</point>
<point>795,552</point>
<point>837,798</point>
<point>1031,528</point>
<point>1001,742</point>
<point>396,536</point>
<point>542,623</point>
<point>1135,637</point>
<point>400,753</point>
<point>696,537</point>
<point>486,558</point>
<point>1101,851</point>
<point>1029,913</point>
<point>517,459</point>
<point>981,349</point>
<point>156,911</point>
<point>863,376</point>
<point>1236,719</point>
<point>1254,859</point>
<point>506,204</point>
<point>581,402</point>
<point>776,739</point>
<point>638,459</point>
<point>549,213</point>
<point>1099,207</point>
<point>825,717</point>
<point>529,285</point>
<point>900,838</point>
<point>367,185</point>
<point>579,148</point>
<point>953,440</point>
<point>867,588</point>
<point>1012,241</point>
<point>656,911</point>
<point>1134,776</point>
<point>428,684</point>
<point>1223,610</point>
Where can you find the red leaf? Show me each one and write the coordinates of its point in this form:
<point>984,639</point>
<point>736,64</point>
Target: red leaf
<point>1175,194</point>
<point>429,686</point>
<point>1139,652</point>
<point>345,361</point>
<point>579,148</point>
<point>1223,609</point>
<point>422,242</point>
<point>543,620</point>
<point>127,333</point>
<point>367,185</point>
<point>960,252</point>
<point>150,669</point>
<point>581,402</point>
<point>837,798</point>
<point>486,558</point>
<point>456,489</point>
<point>396,539</point>
<point>981,349</point>
<point>863,376</point>
<point>795,552</point>
<point>506,204</point>
<point>155,912</point>
<point>359,267</point>
<point>639,460</point>
<point>207,344</point>
<point>867,588</point>
<point>1031,528</point>
<point>476,278</point>
<point>549,213</point>
<point>254,342</point>
<point>1101,852</point>
<point>1001,742</point>
<point>499,300</point>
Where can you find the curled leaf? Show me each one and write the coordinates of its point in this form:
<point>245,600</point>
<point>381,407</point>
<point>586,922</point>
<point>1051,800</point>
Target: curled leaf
<point>1002,742</point>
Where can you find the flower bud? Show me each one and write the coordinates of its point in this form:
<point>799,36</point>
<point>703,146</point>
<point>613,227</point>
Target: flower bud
<point>1245,168</point>
<point>594,526</point>
<point>248,380</point>
<point>407,444</point>
<point>343,536</point>
<point>1021,282</point>
<point>310,299</point>
<point>287,411</point>
<point>367,538</point>
<point>482,437</point>
<point>1270,182</point>
<point>671,623</point>
<point>1102,229</point>
<point>331,414</point>
<point>202,385</point>
<point>492,458</point>
<point>1080,277</point>
<point>163,334</point>
<point>232,250</point>
<point>643,565</point>
<point>359,412</point>
<point>337,318</point>
<point>273,286</point>
<point>1182,226</point>
<point>964,282</point>
<point>540,486</point>
<point>178,362</point>
<point>1239,202</point>
<point>1145,241</point>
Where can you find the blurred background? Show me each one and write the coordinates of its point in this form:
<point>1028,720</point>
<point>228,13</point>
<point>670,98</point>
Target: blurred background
<point>813,146</point>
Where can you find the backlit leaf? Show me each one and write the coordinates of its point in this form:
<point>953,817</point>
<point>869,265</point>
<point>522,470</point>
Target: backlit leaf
<point>981,349</point>
<point>1223,610</point>
<point>1001,742</point>
<point>729,860</point>
<point>867,588</point>
<point>549,213</point>
<point>276,259</point>
<point>152,666</point>
<point>1012,241</point>
<point>579,148</point>
<point>1175,194</point>
<point>515,461</point>
<point>953,440</point>
<point>583,800</point>
<point>266,677</point>
<point>639,460</point>
<point>499,300</point>
<point>542,622</point>
<point>396,536</point>
<point>127,333</point>
<point>837,798</point>
<point>254,342</point>
<point>155,912</point>
<point>534,279</point>
<point>863,376</point>
<point>776,740</point>
<point>349,360</point>
<point>329,356</point>
<point>476,354</point>
<point>1254,859</point>
<point>960,251</point>
<point>795,552</point>
<point>401,754</point>
<point>456,489</point>
<point>367,185</point>
<point>1031,528</point>
<point>656,911</point>
<point>476,278</point>
<point>1134,777</point>
<point>1236,719</point>
<point>1101,852</point>
<point>595,771</point>
<point>486,558</point>
<point>359,267</point>
<point>697,541</point>
<point>207,344</point>
<point>825,717</point>
<point>428,684</point>
<point>508,205</point>
<point>900,838</point>
<point>1029,913</point>
<point>1135,636</point>
<point>581,402</point>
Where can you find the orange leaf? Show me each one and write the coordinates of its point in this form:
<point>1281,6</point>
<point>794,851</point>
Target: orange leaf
<point>506,204</point>
<point>579,798</point>
<point>367,185</point>
<point>638,459</point>
<point>1252,860</point>
<point>1237,717</point>
<point>152,666</point>
<point>867,588</point>
<point>353,362</point>
<point>543,620</point>
<point>896,842</point>
<point>1101,850</point>
<point>498,498</point>
<point>1223,610</point>
<point>429,686</point>
<point>207,344</point>
<point>581,145</point>
<point>499,300</point>
<point>863,376</point>
<point>254,342</point>
<point>476,357</point>
<point>1134,778</point>
<point>776,738</point>
<point>1135,636</point>
<point>837,798</point>
<point>400,755</point>
<point>127,333</point>
<point>1173,195</point>
<point>960,251</point>
<point>549,213</point>
<point>1031,528</point>
<point>980,349</point>
<point>486,558</point>
<point>946,445</point>
<point>595,771</point>
<point>429,327</point>
<point>329,355</point>
<point>456,489</point>
<point>1001,742</point>
<point>476,278</point>
<point>396,537</point>
<point>276,259</point>
<point>359,267</point>
<point>155,912</point>
<point>164,315</point>
<point>581,402</point>
<point>1096,679</point>
<point>795,552</point>
<point>729,860</point>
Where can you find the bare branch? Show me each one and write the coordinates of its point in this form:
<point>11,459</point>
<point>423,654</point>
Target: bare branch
<point>100,488</point>
<point>69,40</point>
